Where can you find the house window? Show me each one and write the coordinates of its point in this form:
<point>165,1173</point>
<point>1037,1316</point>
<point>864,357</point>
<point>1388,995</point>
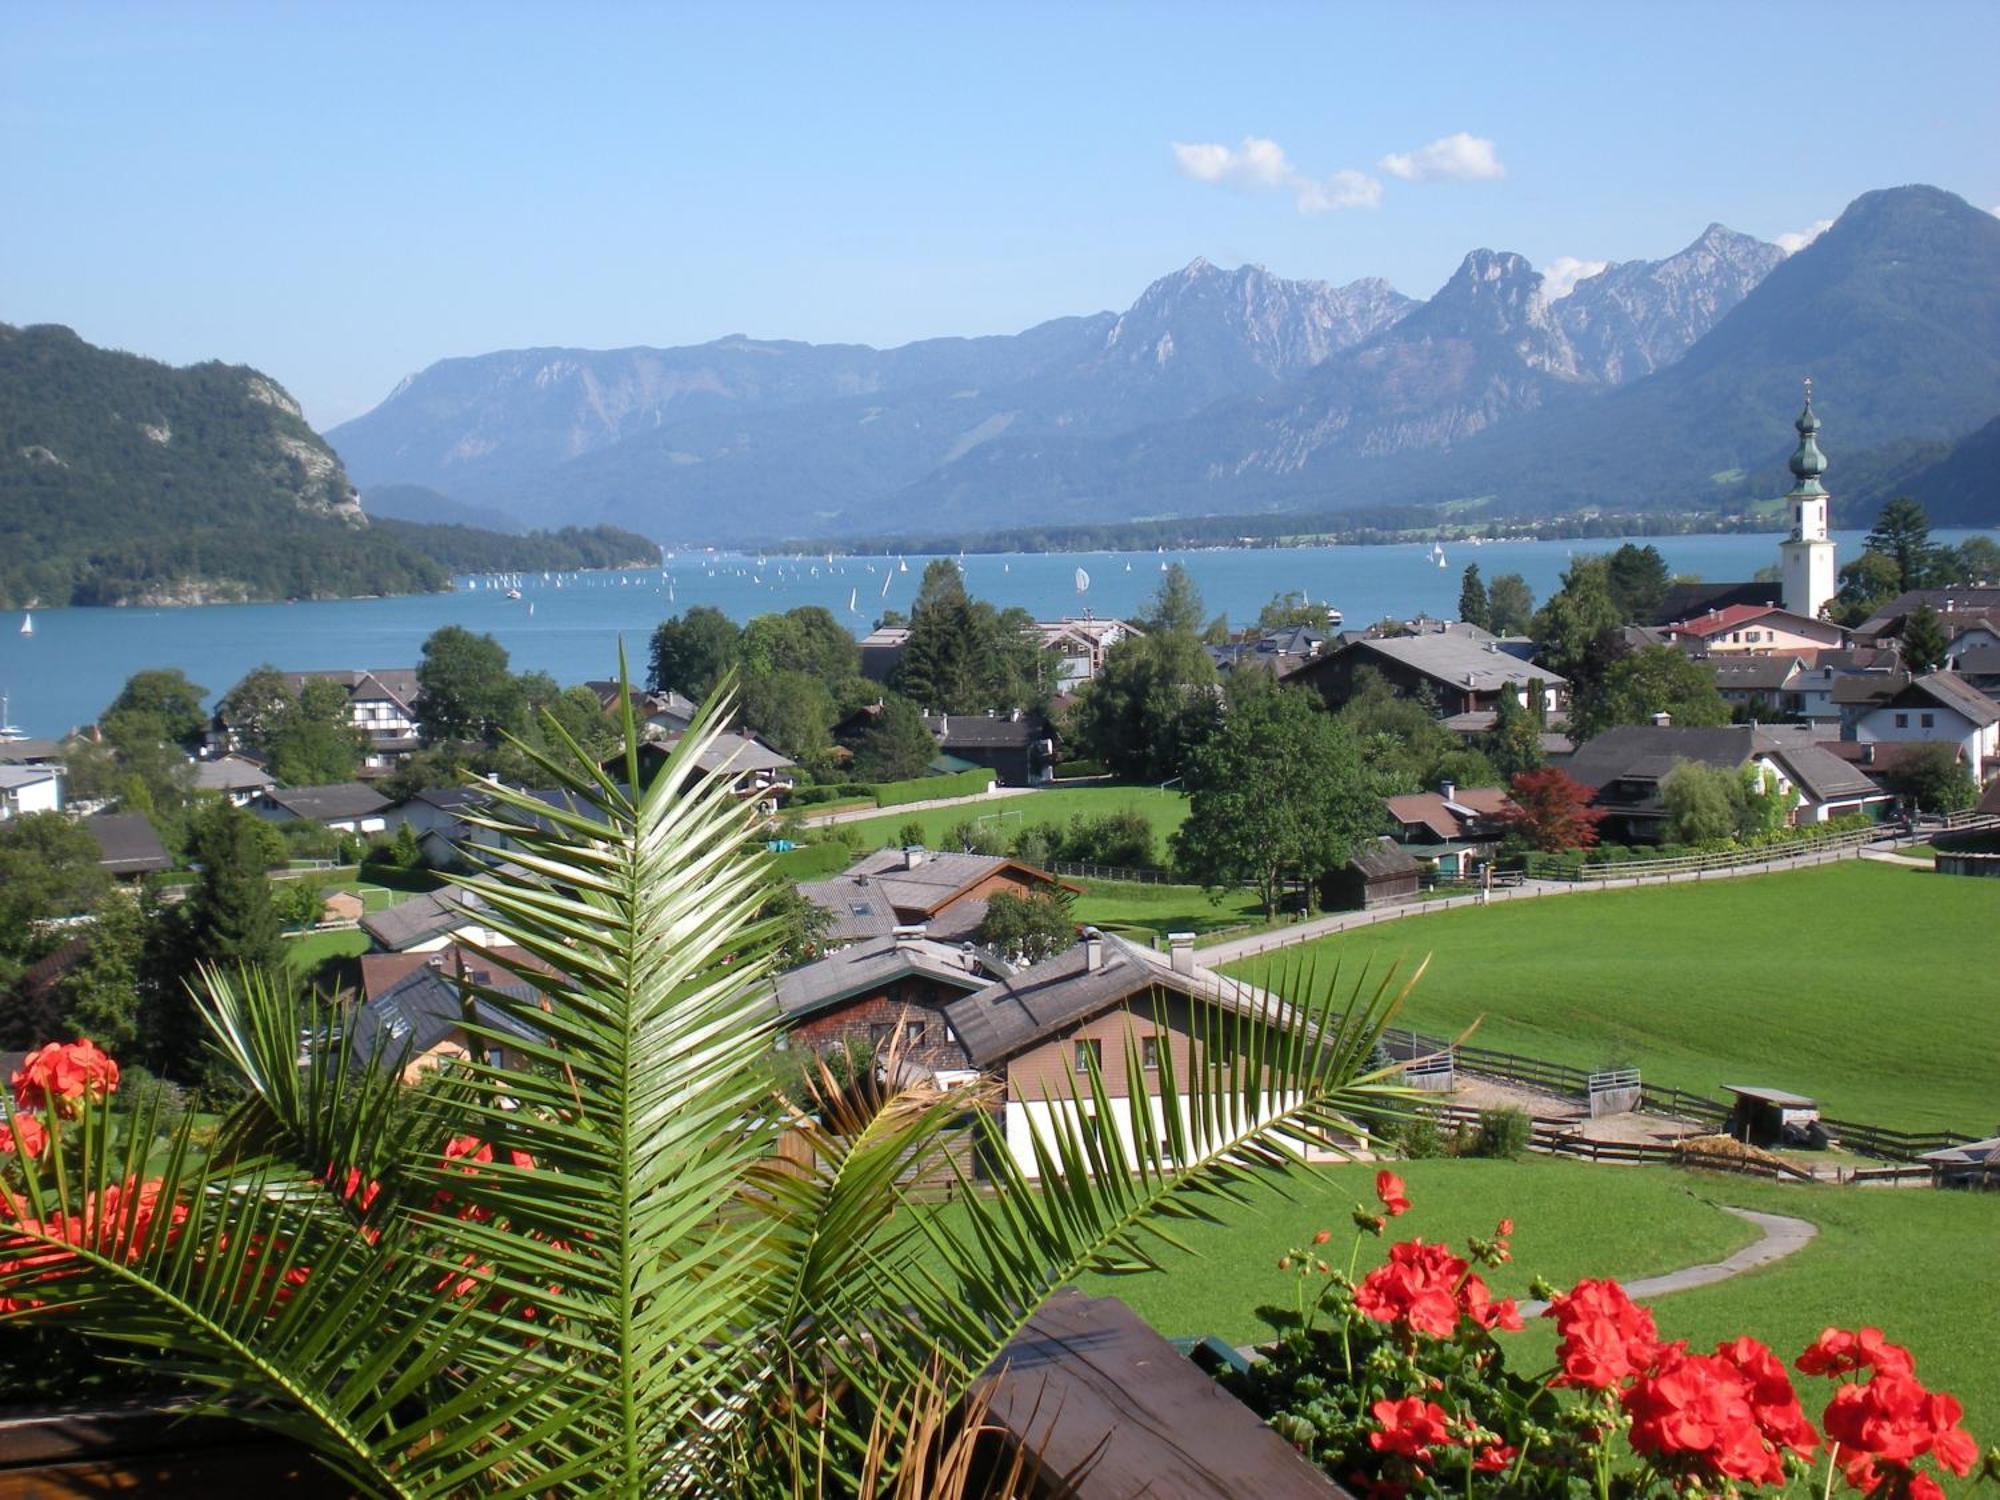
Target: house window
<point>1902,721</point>
<point>1149,1053</point>
<point>1928,721</point>
<point>914,1033</point>
<point>1088,1054</point>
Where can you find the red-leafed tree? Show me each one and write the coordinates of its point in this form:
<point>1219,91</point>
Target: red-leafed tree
<point>1552,811</point>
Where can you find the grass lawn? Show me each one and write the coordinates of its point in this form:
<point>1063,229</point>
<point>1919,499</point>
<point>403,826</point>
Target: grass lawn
<point>1918,1264</point>
<point>1570,1220</point>
<point>1866,986</point>
<point>1166,811</point>
<point>1138,911</point>
<point>306,954</point>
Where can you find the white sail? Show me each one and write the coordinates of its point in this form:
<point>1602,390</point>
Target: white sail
<point>27,624</point>
<point>1082,580</point>
<point>852,595</point>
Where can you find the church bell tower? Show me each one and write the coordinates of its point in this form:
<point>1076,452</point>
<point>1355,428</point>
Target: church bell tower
<point>1806,558</point>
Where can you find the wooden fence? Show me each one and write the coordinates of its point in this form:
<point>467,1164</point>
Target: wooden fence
<point>1832,847</point>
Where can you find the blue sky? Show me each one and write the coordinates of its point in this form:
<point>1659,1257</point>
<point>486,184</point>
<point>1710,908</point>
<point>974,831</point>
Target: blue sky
<point>340,194</point>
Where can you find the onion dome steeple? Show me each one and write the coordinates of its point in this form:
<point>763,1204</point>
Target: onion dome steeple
<point>1808,463</point>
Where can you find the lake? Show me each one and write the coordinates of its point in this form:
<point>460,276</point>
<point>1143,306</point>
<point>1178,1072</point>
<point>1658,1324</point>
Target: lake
<point>77,659</point>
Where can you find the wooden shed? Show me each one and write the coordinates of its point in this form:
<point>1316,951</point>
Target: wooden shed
<point>1771,1117</point>
<point>1380,873</point>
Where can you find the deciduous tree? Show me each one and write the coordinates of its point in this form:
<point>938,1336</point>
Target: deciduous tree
<point>1932,779</point>
<point>1551,811</point>
<point>464,690</point>
<point>1511,604</point>
<point>1029,925</point>
<point>897,746</point>
<point>692,651</point>
<point>1651,680</point>
<point>164,696</point>
<point>1277,791</point>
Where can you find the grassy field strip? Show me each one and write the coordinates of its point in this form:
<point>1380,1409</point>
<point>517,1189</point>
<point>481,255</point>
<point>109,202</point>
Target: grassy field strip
<point>1166,811</point>
<point>1847,982</point>
<point>1137,910</point>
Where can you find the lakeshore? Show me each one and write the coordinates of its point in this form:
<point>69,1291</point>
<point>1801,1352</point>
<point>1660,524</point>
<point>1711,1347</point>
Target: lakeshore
<point>571,625</point>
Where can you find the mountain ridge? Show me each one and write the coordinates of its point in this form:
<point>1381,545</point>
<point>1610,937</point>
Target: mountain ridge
<point>1223,390</point>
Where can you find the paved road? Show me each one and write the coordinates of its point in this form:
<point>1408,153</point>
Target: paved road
<point>862,814</point>
<point>1217,954</point>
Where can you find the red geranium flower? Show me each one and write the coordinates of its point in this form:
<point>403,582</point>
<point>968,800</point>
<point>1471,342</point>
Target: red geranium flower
<point>1410,1427</point>
<point>1839,1352</point>
<point>1606,1336</point>
<point>1699,1413</point>
<point>67,1074</point>
<point>1395,1197</point>
<point>23,1132</point>
<point>1417,1288</point>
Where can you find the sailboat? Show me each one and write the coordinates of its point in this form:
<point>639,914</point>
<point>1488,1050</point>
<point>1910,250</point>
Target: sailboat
<point>852,595</point>
<point>27,624</point>
<point>902,565</point>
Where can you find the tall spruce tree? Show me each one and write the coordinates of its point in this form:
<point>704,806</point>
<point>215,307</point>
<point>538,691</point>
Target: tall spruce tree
<point>1473,607</point>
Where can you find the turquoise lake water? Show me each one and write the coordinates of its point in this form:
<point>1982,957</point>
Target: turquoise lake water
<point>77,659</point>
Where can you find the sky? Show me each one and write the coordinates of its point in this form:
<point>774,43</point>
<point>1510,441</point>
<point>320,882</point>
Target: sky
<point>341,194</point>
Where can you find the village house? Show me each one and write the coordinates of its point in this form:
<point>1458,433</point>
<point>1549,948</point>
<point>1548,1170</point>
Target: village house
<point>431,922</point>
<point>1939,708</point>
<point>1456,673</point>
<point>130,846</point>
<point>657,714</point>
<point>886,992</point>
<point>882,652</point>
<point>1749,629</point>
<point>418,1022</point>
<point>1823,689</point>
<point>344,806</point>
<point>756,772</point>
<point>1080,646</point>
<point>1451,829</point>
<point>1960,611</point>
<point>1978,666</point>
<point>382,704</point>
<point>1018,748</point>
<point>1038,1032</point>
<point>1761,685</point>
<point>30,789</point>
<point>946,894</point>
<point>1279,652</point>
<point>237,777</point>
<point>1627,767</point>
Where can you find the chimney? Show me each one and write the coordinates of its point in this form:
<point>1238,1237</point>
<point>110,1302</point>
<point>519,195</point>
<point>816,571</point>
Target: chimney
<point>1093,950</point>
<point>1663,720</point>
<point>1180,952</point>
<point>1448,789</point>
<point>913,855</point>
<point>908,935</point>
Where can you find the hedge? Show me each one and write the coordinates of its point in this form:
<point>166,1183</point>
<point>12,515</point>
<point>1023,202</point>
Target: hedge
<point>958,784</point>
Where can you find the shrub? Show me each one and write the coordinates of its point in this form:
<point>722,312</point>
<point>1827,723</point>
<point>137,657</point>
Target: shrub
<point>910,833</point>
<point>1121,838</point>
<point>975,838</point>
<point>1419,1137</point>
<point>1039,844</point>
<point>1501,1135</point>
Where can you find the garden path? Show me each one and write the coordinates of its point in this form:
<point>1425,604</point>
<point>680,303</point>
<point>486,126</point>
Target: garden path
<point>1781,1235</point>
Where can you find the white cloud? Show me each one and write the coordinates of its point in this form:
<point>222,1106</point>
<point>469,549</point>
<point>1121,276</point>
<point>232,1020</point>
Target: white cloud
<point>1261,166</point>
<point>1344,189</point>
<point>1459,157</point>
<point>1793,243</point>
<point>1560,276</point>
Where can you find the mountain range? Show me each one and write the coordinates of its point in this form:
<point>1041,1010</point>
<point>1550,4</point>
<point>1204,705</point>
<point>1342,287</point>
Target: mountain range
<point>1652,384</point>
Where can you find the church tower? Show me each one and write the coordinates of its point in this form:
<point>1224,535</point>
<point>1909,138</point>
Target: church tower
<point>1807,557</point>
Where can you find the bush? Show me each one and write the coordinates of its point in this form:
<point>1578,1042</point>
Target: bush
<point>910,833</point>
<point>975,838</point>
<point>1074,769</point>
<point>1039,844</point>
<point>1120,838</point>
<point>1501,1135</point>
<point>1419,1137</point>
